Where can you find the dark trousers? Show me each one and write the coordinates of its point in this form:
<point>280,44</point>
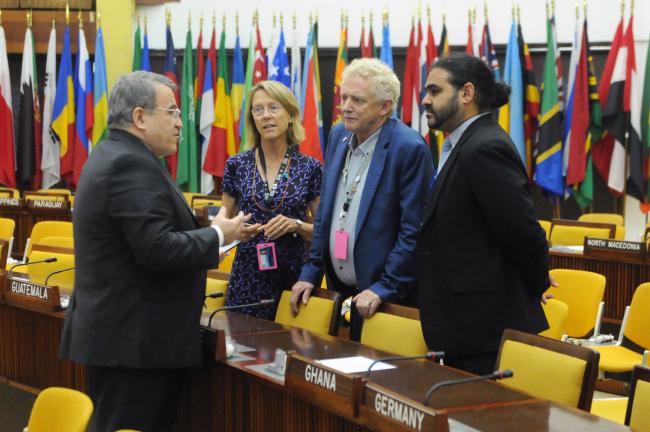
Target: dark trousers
<point>479,364</point>
<point>140,399</point>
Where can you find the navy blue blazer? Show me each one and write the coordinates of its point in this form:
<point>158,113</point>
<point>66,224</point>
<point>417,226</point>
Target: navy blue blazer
<point>389,213</point>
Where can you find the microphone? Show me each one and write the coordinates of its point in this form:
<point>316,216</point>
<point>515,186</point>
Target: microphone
<point>214,295</point>
<point>57,272</point>
<point>498,374</point>
<point>46,260</point>
<point>259,303</point>
<point>431,355</point>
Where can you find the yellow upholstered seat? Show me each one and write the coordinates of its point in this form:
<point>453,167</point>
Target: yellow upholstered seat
<point>556,313</point>
<point>40,272</point>
<point>58,409</point>
<point>565,235</point>
<point>225,266</point>
<point>9,193</point>
<point>7,227</point>
<point>582,291</point>
<point>47,196</point>
<point>56,191</point>
<point>547,227</point>
<point>549,369</point>
<point>189,195</point>
<point>609,218</point>
<point>47,229</point>
<point>610,408</point>
<point>639,414</point>
<point>636,329</point>
<point>216,282</point>
<point>319,315</point>
<point>395,329</point>
<point>204,201</point>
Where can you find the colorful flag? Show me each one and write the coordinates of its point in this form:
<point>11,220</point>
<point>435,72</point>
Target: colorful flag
<point>341,62</point>
<point>84,101</point>
<point>206,121</point>
<point>259,67</point>
<point>311,145</point>
<point>548,170</point>
<point>558,65</point>
<point>100,91</point>
<point>199,71</point>
<point>8,160</point>
<point>274,39</point>
<point>237,90</point>
<point>28,144</point>
<point>187,171</point>
<point>408,87</point>
<point>386,52</point>
<point>279,64</point>
<point>248,83</point>
<point>469,48</point>
<point>137,49</point>
<point>487,52</point>
<point>367,48</point>
<point>531,100</point>
<point>645,123</point>
<point>419,81</point>
<point>50,163</point>
<point>443,48</point>
<point>296,75</point>
<point>511,115</point>
<point>169,70</point>
<point>224,142</point>
<point>145,63</point>
<point>63,114</point>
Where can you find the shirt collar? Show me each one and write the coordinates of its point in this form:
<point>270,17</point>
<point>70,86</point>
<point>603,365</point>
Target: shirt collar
<point>455,135</point>
<point>368,145</point>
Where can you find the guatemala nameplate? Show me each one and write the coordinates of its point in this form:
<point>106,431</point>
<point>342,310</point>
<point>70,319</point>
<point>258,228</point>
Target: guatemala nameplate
<point>22,292</point>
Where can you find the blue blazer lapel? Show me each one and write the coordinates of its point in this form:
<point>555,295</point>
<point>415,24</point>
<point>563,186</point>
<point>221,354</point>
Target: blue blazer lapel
<point>333,175</point>
<point>374,172</point>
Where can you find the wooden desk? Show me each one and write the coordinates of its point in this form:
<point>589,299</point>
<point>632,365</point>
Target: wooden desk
<point>623,276</point>
<point>230,396</point>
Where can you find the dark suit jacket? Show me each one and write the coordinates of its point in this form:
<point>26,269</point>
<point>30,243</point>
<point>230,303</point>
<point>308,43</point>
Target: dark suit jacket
<point>482,257</point>
<point>389,212</point>
<point>141,263</point>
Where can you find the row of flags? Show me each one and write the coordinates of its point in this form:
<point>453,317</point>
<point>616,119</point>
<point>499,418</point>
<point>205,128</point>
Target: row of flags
<point>52,143</point>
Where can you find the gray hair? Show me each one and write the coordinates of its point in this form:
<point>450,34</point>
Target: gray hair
<point>385,81</point>
<point>137,89</point>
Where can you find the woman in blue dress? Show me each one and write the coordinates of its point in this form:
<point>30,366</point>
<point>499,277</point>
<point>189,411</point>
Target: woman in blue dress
<point>280,188</point>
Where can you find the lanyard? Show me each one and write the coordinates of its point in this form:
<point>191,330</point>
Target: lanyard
<point>268,195</point>
<point>349,194</point>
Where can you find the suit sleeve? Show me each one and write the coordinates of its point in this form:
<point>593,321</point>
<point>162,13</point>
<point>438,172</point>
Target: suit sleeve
<point>500,187</point>
<point>399,273</point>
<point>144,208</point>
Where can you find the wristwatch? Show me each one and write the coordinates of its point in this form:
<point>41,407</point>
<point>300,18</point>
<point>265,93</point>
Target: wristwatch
<point>299,223</point>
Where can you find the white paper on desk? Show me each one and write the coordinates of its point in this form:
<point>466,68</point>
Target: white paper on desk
<point>354,364</point>
<point>567,249</point>
<point>226,248</point>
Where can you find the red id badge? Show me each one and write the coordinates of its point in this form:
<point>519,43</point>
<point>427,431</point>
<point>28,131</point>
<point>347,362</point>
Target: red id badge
<point>341,245</point>
<point>266,259</point>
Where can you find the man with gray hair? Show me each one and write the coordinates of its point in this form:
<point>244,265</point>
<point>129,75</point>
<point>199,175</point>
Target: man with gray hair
<point>141,262</point>
<point>377,170</point>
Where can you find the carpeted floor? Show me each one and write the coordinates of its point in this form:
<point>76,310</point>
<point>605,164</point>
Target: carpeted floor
<point>15,406</point>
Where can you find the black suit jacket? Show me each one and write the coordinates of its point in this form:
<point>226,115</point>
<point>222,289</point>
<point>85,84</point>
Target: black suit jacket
<point>141,263</point>
<point>482,257</point>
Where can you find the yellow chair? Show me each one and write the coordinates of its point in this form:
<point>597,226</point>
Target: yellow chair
<point>7,227</point>
<point>608,218</point>
<point>395,329</point>
<point>42,272</point>
<point>56,191</point>
<point>556,314</point>
<point>47,229</point>
<point>610,408</point>
<point>4,246</point>
<point>60,241</point>
<point>632,411</point>
<point>582,291</point>
<point>225,266</point>
<point>190,195</point>
<point>200,201</point>
<point>58,409</point>
<point>319,315</point>
<point>547,227</point>
<point>217,281</point>
<point>9,193</point>
<point>573,233</point>
<point>46,196</point>
<point>633,337</point>
<point>549,369</point>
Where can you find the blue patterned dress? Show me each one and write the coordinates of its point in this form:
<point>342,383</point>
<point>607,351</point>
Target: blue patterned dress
<point>295,191</point>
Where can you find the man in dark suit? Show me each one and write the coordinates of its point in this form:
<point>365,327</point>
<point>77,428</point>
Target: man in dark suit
<point>376,172</point>
<point>482,257</point>
<point>141,262</point>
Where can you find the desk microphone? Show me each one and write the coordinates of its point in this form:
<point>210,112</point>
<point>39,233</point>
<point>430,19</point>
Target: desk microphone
<point>57,272</point>
<point>234,307</point>
<point>498,374</point>
<point>431,355</point>
<point>46,260</point>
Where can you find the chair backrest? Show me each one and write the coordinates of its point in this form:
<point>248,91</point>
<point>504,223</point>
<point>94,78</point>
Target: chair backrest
<point>58,409</point>
<point>572,233</point>
<point>46,196</point>
<point>556,313</point>
<point>48,229</point>
<point>638,407</point>
<point>549,369</point>
<point>637,328</point>
<point>396,329</point>
<point>547,227</point>
<point>4,253</point>
<point>9,193</point>
<point>608,218</point>
<point>7,227</point>
<point>200,201</point>
<point>582,291</point>
<point>56,191</point>
<point>225,266</point>
<point>189,195</point>
<point>217,281</point>
<point>40,272</point>
<point>319,315</point>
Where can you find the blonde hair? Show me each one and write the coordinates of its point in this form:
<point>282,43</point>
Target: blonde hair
<point>280,93</point>
<point>385,82</point>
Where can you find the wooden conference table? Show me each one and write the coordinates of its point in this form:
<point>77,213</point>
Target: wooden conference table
<point>239,394</point>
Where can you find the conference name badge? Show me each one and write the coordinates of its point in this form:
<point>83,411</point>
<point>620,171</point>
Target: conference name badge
<point>266,258</point>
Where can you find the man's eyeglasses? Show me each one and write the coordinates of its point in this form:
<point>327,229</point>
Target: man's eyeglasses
<point>273,109</point>
<point>174,112</point>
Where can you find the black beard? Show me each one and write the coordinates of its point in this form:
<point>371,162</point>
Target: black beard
<point>443,115</point>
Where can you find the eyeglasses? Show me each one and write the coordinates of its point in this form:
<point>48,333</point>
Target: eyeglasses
<point>273,109</point>
<point>174,112</point>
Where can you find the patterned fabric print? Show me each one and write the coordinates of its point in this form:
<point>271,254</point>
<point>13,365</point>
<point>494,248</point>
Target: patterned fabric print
<point>295,191</point>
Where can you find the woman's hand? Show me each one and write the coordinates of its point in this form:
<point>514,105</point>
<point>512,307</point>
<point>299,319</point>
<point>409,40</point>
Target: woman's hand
<point>279,226</point>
